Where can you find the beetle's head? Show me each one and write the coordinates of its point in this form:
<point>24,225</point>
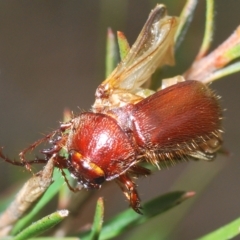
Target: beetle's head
<point>88,174</point>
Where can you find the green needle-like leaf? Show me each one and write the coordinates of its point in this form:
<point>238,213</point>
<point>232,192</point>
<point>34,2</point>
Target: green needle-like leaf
<point>111,53</point>
<point>228,231</point>
<point>98,220</point>
<point>233,68</point>
<point>129,219</point>
<point>53,238</point>
<point>184,21</point>
<point>42,225</point>
<point>123,45</point>
<point>233,52</point>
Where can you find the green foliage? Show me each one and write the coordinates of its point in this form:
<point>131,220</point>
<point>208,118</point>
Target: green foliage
<point>128,219</point>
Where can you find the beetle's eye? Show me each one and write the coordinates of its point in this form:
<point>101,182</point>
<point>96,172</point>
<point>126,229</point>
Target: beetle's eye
<point>99,180</point>
<point>86,169</point>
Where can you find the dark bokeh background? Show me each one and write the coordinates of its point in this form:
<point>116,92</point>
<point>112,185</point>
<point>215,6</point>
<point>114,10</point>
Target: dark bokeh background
<point>52,57</point>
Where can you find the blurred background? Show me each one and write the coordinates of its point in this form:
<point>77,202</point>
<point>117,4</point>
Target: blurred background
<point>52,57</point>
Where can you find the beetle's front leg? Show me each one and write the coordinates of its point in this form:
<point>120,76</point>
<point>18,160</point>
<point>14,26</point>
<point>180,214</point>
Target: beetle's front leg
<point>129,189</point>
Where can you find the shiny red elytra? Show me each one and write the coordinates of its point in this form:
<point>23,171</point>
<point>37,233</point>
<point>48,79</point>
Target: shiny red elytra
<point>126,127</point>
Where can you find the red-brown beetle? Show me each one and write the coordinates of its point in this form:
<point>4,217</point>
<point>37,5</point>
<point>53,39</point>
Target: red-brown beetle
<point>126,127</point>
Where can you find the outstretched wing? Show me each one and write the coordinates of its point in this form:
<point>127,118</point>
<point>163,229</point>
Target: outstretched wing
<point>152,49</point>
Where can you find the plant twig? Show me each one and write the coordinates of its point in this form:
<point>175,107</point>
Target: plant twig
<point>203,68</point>
<point>32,190</point>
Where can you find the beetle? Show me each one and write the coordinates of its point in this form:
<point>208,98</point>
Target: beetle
<point>126,127</point>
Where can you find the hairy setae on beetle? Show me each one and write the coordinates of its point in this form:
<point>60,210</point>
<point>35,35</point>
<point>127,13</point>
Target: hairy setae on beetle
<point>126,127</point>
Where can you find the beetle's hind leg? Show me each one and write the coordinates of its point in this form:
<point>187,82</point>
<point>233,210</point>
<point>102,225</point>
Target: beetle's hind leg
<point>138,171</point>
<point>129,189</point>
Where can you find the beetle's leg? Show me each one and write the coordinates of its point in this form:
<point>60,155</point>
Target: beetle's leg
<point>52,150</point>
<point>48,152</point>
<point>17,163</point>
<point>130,191</point>
<point>138,171</point>
<point>31,147</point>
<point>77,189</point>
<point>57,146</point>
<point>63,127</point>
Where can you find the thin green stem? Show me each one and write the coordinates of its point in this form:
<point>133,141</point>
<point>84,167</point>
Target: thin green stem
<point>209,26</point>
